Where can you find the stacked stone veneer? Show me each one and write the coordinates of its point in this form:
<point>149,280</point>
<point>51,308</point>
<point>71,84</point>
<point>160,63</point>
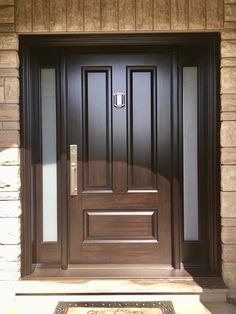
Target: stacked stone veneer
<point>61,16</point>
<point>228,156</point>
<point>10,209</point>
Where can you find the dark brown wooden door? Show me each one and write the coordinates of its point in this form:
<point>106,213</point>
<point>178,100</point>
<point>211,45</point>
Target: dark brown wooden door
<point>122,213</point>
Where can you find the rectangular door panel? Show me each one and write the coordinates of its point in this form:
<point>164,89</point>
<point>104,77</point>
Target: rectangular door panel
<point>96,94</point>
<point>120,226</point>
<point>142,128</point>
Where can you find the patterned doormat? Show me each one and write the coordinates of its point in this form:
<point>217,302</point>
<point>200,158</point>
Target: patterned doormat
<point>161,307</point>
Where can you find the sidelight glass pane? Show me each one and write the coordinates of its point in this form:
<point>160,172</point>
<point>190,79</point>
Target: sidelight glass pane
<point>190,153</point>
<point>49,154</point>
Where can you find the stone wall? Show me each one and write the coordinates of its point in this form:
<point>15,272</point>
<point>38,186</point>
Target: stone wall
<point>76,16</point>
<point>43,16</point>
<point>228,155</point>
<point>10,209</point>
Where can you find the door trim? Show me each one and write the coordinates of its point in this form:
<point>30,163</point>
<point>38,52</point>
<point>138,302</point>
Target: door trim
<point>212,43</point>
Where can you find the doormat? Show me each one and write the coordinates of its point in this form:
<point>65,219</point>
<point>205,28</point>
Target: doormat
<point>161,307</point>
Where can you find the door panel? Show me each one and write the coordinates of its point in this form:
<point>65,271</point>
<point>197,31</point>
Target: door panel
<point>142,123</point>
<point>122,211</point>
<point>104,226</point>
<point>96,100</point>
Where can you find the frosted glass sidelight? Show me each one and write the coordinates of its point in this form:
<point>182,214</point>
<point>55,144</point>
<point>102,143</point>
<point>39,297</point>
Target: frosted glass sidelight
<point>190,153</point>
<point>49,154</point>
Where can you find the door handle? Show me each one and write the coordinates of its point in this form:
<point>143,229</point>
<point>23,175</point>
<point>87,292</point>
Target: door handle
<point>73,170</point>
<point>119,100</point>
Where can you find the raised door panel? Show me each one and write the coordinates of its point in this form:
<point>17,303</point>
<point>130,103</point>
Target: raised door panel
<point>96,94</point>
<point>142,128</point>
<point>120,226</point>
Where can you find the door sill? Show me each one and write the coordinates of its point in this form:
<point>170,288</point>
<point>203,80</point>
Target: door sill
<point>115,272</point>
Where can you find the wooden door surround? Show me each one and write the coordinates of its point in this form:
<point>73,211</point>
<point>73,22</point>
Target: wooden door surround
<point>185,50</point>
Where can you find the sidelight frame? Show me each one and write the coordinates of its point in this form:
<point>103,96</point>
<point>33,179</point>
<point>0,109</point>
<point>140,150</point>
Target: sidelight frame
<point>211,42</point>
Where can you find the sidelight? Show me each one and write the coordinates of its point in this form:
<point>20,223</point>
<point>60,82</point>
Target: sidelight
<point>49,154</point>
<point>190,153</point>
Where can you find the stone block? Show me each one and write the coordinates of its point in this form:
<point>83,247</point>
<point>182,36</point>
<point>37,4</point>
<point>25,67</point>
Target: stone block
<point>228,48</point>
<point>229,274</point>
<point>9,112</point>
<point>13,125</point>
<point>228,235</point>
<point>9,59</point>
<point>7,2</point>
<point>10,230</point>
<point>228,204</point>
<point>228,62</point>
<point>10,266</point>
<point>228,178</point>
<point>228,34</point>
<point>9,196</point>
<point>9,156</point>
<point>228,222</point>
<point>9,139</point>
<point>7,28</point>
<point>230,12</point>
<point>8,42</point>
<point>228,133</point>
<point>228,80</point>
<point>1,81</point>
<point>7,14</point>
<point>228,116</point>
<point>228,156</point>
<point>8,72</point>
<point>10,209</point>
<point>10,275</point>
<point>228,102</point>
<point>10,253</point>
<point>9,178</point>
<point>229,253</point>
<point>12,90</point>
<point>230,25</point>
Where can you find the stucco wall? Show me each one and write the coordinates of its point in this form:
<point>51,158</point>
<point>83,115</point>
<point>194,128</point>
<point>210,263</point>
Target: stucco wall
<point>61,16</point>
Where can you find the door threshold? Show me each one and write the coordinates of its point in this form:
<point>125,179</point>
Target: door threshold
<point>113,271</point>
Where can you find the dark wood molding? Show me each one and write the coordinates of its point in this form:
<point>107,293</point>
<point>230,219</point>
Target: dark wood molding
<point>211,43</point>
<point>176,190</point>
<point>26,178</point>
<point>161,39</point>
<point>213,158</point>
<point>63,166</point>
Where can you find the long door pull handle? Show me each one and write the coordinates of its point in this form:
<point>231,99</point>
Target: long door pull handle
<point>73,170</point>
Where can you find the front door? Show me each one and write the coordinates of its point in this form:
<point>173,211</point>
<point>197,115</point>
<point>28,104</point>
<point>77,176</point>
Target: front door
<point>119,151</point>
<point>119,126</point>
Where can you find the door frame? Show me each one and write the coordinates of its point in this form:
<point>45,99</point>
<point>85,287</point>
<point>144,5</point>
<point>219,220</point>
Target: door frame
<point>212,43</point>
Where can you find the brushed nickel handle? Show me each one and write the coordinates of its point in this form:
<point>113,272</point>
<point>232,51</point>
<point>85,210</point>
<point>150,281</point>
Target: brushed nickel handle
<point>73,170</point>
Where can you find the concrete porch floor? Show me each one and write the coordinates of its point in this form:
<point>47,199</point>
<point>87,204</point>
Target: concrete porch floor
<point>188,296</point>
<point>47,304</point>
